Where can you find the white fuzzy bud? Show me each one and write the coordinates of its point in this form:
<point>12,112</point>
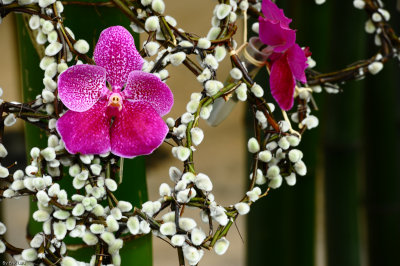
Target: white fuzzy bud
<point>241,92</point>
<point>78,210</point>
<point>319,2</point>
<point>145,227</point>
<point>300,168</point>
<point>255,27</point>
<point>221,246</point>
<point>48,154</point>
<point>111,184</point>
<point>213,86</point>
<point>205,112</point>
<point>182,153</point>
<point>168,229</point>
<point>197,135</point>
<point>203,43</point>
<point>236,73</point>
<point>291,179</point>
<point>152,48</point>
<point>185,195</point>
<point>265,156</point>
<point>124,206</point>
<point>18,175</point>
<point>97,229</point>
<point>197,236</point>
<point>192,254</point>
<point>295,155</point>
<point>376,17</point>
<point>242,208</point>
<point>177,240</point>
<point>151,207</point>
<point>293,140</point>
<point>257,90</point>
<point>4,172</point>
<point>112,224</point>
<point>152,23</point>
<point>29,254</point>
<point>284,143</point>
<point>275,182</point>
<point>192,106</point>
<point>369,26</point>
<point>205,75</point>
<point>187,118</point>
<point>177,58</point>
<point>47,27</point>
<point>253,145</point>
<point>61,214</point>
<point>53,48</point>
<point>70,223</point>
<point>211,61</point>
<point>203,182</point>
<point>69,261</point>
<point>174,174</point>
<point>375,67</point>
<point>310,121</point>
<point>359,4</point>
<point>10,120</point>
<point>60,230</point>
<point>220,52</point>
<point>212,34</point>
<point>37,240</point>
<point>187,224</point>
<point>108,237</point>
<point>41,215</point>
<point>260,178</point>
<point>222,11</point>
<point>34,22</point>
<point>188,177</point>
<point>164,190</point>
<point>90,239</point>
<point>158,6</point>
<point>133,225</point>
<point>45,3</point>
<point>254,194</point>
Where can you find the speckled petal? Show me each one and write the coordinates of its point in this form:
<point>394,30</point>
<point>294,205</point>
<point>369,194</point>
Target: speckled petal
<point>116,52</point>
<point>137,130</point>
<point>282,83</point>
<point>80,86</point>
<point>142,86</point>
<point>86,132</point>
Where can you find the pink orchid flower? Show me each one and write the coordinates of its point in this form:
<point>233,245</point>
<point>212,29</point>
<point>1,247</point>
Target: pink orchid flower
<point>127,120</point>
<point>288,60</point>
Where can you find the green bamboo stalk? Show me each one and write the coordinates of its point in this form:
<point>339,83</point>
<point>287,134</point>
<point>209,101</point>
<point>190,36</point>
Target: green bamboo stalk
<point>381,132</point>
<point>341,142</point>
<point>87,22</point>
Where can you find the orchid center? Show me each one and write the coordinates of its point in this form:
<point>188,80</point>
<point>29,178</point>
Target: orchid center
<point>115,100</point>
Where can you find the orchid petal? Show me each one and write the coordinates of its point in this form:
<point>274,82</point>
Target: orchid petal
<point>282,83</point>
<point>142,86</point>
<point>86,132</point>
<point>137,130</point>
<point>116,52</point>
<point>80,86</point>
<point>297,62</point>
<point>272,12</point>
<point>276,35</point>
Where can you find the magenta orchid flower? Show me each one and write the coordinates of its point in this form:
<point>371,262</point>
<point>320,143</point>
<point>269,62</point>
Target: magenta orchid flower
<point>127,120</point>
<point>288,60</point>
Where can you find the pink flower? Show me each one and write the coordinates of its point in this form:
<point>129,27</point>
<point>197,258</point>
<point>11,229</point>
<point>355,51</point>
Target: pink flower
<point>288,60</point>
<point>127,120</point>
